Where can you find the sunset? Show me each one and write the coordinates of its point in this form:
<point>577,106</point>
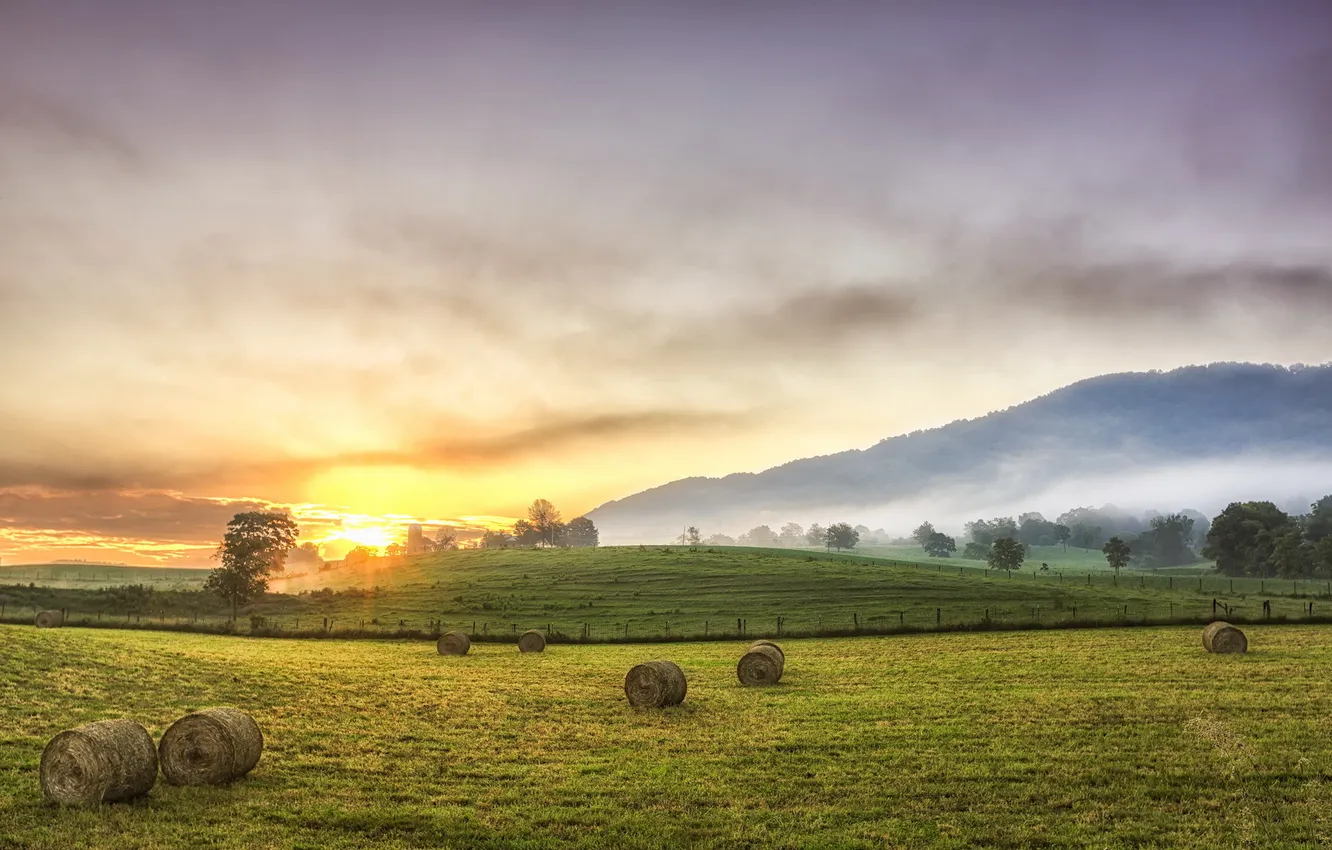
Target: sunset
<point>604,423</point>
<point>439,263</point>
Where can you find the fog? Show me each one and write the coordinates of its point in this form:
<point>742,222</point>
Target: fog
<point>1206,485</point>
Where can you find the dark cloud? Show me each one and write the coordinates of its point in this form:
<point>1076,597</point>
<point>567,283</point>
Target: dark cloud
<point>54,121</point>
<point>556,435</point>
<point>159,517</point>
<point>818,318</point>
<point>1156,289</point>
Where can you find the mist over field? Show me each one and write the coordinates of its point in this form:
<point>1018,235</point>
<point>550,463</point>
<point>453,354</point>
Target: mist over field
<point>1206,486</point>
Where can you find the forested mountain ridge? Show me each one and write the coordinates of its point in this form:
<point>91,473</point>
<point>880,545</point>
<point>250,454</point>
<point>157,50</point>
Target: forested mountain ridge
<point>1111,422</point>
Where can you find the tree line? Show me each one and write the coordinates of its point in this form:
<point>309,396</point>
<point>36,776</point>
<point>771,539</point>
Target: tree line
<point>838,535</point>
<point>1255,539</point>
<point>544,527</point>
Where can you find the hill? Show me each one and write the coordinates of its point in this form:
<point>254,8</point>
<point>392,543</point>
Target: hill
<point>1200,436</point>
<point>649,593</point>
<point>86,575</point>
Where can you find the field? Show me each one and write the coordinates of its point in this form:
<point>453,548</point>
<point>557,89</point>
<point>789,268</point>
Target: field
<point>1071,559</point>
<point>632,593</point>
<point>1108,738</point>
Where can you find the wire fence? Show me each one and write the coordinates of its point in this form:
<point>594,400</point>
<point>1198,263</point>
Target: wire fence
<point>884,620</point>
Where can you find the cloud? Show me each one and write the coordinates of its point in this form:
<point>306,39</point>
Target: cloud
<point>1159,289</point>
<point>553,436</point>
<point>139,516</point>
<point>52,120</point>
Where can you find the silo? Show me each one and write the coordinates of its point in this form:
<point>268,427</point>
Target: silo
<point>413,539</point>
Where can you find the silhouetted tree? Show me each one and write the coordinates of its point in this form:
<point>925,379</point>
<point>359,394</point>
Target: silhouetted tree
<point>446,539</point>
<point>525,534</point>
<point>1006,554</point>
<point>841,535</point>
<point>254,546</point>
<point>1117,554</point>
<point>940,545</point>
<point>582,533</point>
<point>1243,537</point>
<point>923,533</point>
<point>545,519</point>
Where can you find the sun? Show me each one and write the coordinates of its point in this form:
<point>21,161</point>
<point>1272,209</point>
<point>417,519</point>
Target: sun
<point>375,536</point>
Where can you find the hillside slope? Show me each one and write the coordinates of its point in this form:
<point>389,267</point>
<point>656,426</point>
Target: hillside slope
<point>1113,423</point>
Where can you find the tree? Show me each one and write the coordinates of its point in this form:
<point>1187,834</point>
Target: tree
<point>446,539</point>
<point>720,540</point>
<point>545,519</point>
<point>582,533</point>
<point>976,551</point>
<point>792,535</point>
<point>980,532</point>
<point>525,534</point>
<point>841,536</point>
<point>759,536</point>
<point>692,535</point>
<point>940,545</point>
<point>1242,539</point>
<point>1117,554</point>
<point>496,540</point>
<point>923,533</point>
<point>817,535</point>
<point>1086,536</point>
<point>1007,554</point>
<point>305,555</point>
<point>1318,524</point>
<point>1292,555</point>
<point>1167,541</point>
<point>360,555</point>
<point>254,546</point>
<point>1062,534</point>
<point>394,549</point>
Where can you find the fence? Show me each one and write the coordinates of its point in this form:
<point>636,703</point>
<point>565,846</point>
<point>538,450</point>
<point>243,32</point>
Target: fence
<point>886,620</point>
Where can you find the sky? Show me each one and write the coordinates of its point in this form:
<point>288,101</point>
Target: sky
<point>385,261</point>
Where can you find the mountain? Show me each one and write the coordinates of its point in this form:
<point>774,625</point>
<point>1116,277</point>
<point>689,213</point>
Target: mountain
<point>1129,428</point>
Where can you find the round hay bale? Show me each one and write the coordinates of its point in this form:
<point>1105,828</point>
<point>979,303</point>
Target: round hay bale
<point>50,619</point>
<point>1224,638</point>
<point>454,643</point>
<point>101,762</point>
<point>532,641</point>
<point>768,643</point>
<point>210,747</point>
<point>761,665</point>
<point>655,684</point>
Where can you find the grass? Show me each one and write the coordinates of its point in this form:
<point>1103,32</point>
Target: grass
<point>1112,738</point>
<point>632,593</point>
<point>1071,559</point>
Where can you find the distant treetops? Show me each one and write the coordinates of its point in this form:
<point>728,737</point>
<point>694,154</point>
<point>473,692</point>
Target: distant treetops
<point>1246,539</point>
<point>544,528</point>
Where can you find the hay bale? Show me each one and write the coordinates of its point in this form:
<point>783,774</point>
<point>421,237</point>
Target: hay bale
<point>532,641</point>
<point>1224,638</point>
<point>101,762</point>
<point>761,665</point>
<point>50,619</point>
<point>454,643</point>
<point>771,644</point>
<point>655,684</point>
<point>210,747</point>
